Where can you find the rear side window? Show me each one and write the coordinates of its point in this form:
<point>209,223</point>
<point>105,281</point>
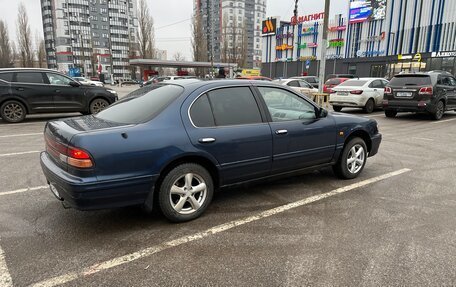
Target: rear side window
<point>353,83</point>
<point>6,77</point>
<point>139,109</point>
<point>30,77</point>
<point>410,80</point>
<point>293,84</point>
<point>201,113</point>
<point>234,106</point>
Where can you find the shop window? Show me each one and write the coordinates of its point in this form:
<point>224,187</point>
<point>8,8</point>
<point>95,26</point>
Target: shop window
<point>352,69</point>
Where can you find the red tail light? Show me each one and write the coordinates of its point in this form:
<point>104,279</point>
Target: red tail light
<point>427,91</point>
<point>356,92</point>
<point>70,155</point>
<point>388,90</point>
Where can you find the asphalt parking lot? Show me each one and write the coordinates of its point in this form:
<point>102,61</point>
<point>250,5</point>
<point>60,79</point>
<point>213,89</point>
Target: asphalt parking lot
<point>392,226</point>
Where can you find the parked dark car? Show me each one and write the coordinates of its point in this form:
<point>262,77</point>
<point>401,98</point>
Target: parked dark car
<point>31,91</point>
<point>313,80</point>
<point>177,143</point>
<point>433,92</point>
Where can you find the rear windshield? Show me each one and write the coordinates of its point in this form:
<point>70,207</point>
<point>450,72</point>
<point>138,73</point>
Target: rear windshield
<point>353,83</point>
<point>417,80</point>
<point>334,81</point>
<point>141,105</point>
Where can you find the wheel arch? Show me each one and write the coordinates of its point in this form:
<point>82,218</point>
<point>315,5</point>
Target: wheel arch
<point>27,108</point>
<point>360,134</point>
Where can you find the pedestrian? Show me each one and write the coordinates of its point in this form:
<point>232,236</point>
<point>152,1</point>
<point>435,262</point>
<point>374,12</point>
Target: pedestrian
<point>221,74</point>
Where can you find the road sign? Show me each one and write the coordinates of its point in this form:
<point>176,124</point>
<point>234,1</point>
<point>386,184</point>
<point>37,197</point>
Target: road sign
<point>307,64</point>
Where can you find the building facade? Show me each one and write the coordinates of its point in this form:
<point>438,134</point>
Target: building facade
<point>232,28</point>
<point>90,37</point>
<point>377,38</point>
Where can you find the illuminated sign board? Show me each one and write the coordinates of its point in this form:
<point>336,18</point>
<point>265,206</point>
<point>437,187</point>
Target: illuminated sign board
<point>307,45</point>
<point>305,58</point>
<point>333,56</point>
<point>336,43</point>
<point>363,10</point>
<point>443,54</point>
<point>283,36</point>
<point>361,53</point>
<point>269,27</point>
<point>284,47</point>
<point>337,28</point>
<point>416,57</point>
<point>307,18</point>
<point>307,31</point>
<point>380,37</point>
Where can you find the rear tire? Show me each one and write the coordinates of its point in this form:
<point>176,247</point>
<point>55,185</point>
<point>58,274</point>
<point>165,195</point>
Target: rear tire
<point>185,192</point>
<point>439,111</point>
<point>97,105</point>
<point>352,160</point>
<point>369,107</point>
<point>13,112</point>
<point>337,108</point>
<point>390,113</point>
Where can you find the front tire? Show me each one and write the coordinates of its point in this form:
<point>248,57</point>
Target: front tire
<point>390,113</point>
<point>352,160</point>
<point>337,108</point>
<point>369,107</point>
<point>13,112</point>
<point>98,105</point>
<point>185,192</point>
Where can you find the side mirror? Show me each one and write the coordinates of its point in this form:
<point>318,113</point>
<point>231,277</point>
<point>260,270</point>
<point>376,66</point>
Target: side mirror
<point>321,113</point>
<point>74,84</point>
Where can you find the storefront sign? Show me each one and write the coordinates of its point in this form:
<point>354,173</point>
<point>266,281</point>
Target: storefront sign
<point>284,47</point>
<point>308,18</point>
<point>307,45</point>
<point>337,28</point>
<point>416,57</point>
<point>269,27</point>
<point>283,59</point>
<point>443,54</point>
<point>361,53</point>
<point>307,31</point>
<point>333,56</point>
<point>305,58</point>
<point>283,36</point>
<point>380,37</point>
<point>336,43</point>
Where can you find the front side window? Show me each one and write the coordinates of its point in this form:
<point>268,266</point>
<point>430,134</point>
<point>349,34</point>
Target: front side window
<point>55,79</point>
<point>30,77</point>
<point>286,106</point>
<point>234,106</point>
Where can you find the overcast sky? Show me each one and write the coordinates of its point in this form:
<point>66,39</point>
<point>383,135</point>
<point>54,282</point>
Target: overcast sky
<point>177,37</point>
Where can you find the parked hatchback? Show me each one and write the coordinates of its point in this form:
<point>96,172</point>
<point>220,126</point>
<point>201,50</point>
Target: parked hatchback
<point>31,91</point>
<point>432,92</point>
<point>175,144</point>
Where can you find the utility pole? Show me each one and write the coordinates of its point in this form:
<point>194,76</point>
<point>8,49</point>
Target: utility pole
<point>295,11</point>
<point>323,47</point>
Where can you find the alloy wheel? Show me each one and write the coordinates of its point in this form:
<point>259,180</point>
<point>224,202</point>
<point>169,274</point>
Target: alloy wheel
<point>188,193</point>
<point>355,159</point>
<point>98,105</point>
<point>13,112</point>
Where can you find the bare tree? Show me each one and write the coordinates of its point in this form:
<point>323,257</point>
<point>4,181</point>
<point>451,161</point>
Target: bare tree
<point>225,39</point>
<point>6,53</point>
<point>199,43</point>
<point>179,57</point>
<point>146,34</point>
<point>24,37</point>
<point>40,51</point>
<point>242,61</point>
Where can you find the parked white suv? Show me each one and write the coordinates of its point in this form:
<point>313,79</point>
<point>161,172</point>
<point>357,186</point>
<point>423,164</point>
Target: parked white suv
<point>365,93</point>
<point>88,82</point>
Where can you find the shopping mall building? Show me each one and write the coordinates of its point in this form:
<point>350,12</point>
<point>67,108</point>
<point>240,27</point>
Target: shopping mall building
<point>378,38</point>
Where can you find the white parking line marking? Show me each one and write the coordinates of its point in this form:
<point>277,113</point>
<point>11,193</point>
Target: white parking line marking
<point>23,190</point>
<point>439,122</point>
<point>211,231</point>
<point>5,277</point>
<point>19,153</point>
<point>424,139</point>
<point>21,135</point>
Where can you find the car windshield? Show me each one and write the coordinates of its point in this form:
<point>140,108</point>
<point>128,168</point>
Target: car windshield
<point>141,105</point>
<point>353,83</point>
<point>416,80</point>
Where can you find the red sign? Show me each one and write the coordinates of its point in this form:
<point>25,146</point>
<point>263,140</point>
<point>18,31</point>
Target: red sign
<point>308,18</point>
<point>337,28</point>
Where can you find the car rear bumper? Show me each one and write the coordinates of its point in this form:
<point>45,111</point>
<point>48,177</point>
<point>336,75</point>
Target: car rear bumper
<point>375,141</point>
<point>408,106</point>
<point>347,101</point>
<point>91,194</point>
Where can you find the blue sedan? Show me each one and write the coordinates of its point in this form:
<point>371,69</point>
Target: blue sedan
<point>174,144</point>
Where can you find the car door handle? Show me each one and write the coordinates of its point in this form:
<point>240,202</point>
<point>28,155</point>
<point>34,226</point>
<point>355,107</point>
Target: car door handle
<point>281,132</point>
<point>206,140</point>
<point>20,89</point>
<point>57,91</point>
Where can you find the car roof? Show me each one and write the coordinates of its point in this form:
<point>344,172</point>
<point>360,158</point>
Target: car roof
<point>27,69</point>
